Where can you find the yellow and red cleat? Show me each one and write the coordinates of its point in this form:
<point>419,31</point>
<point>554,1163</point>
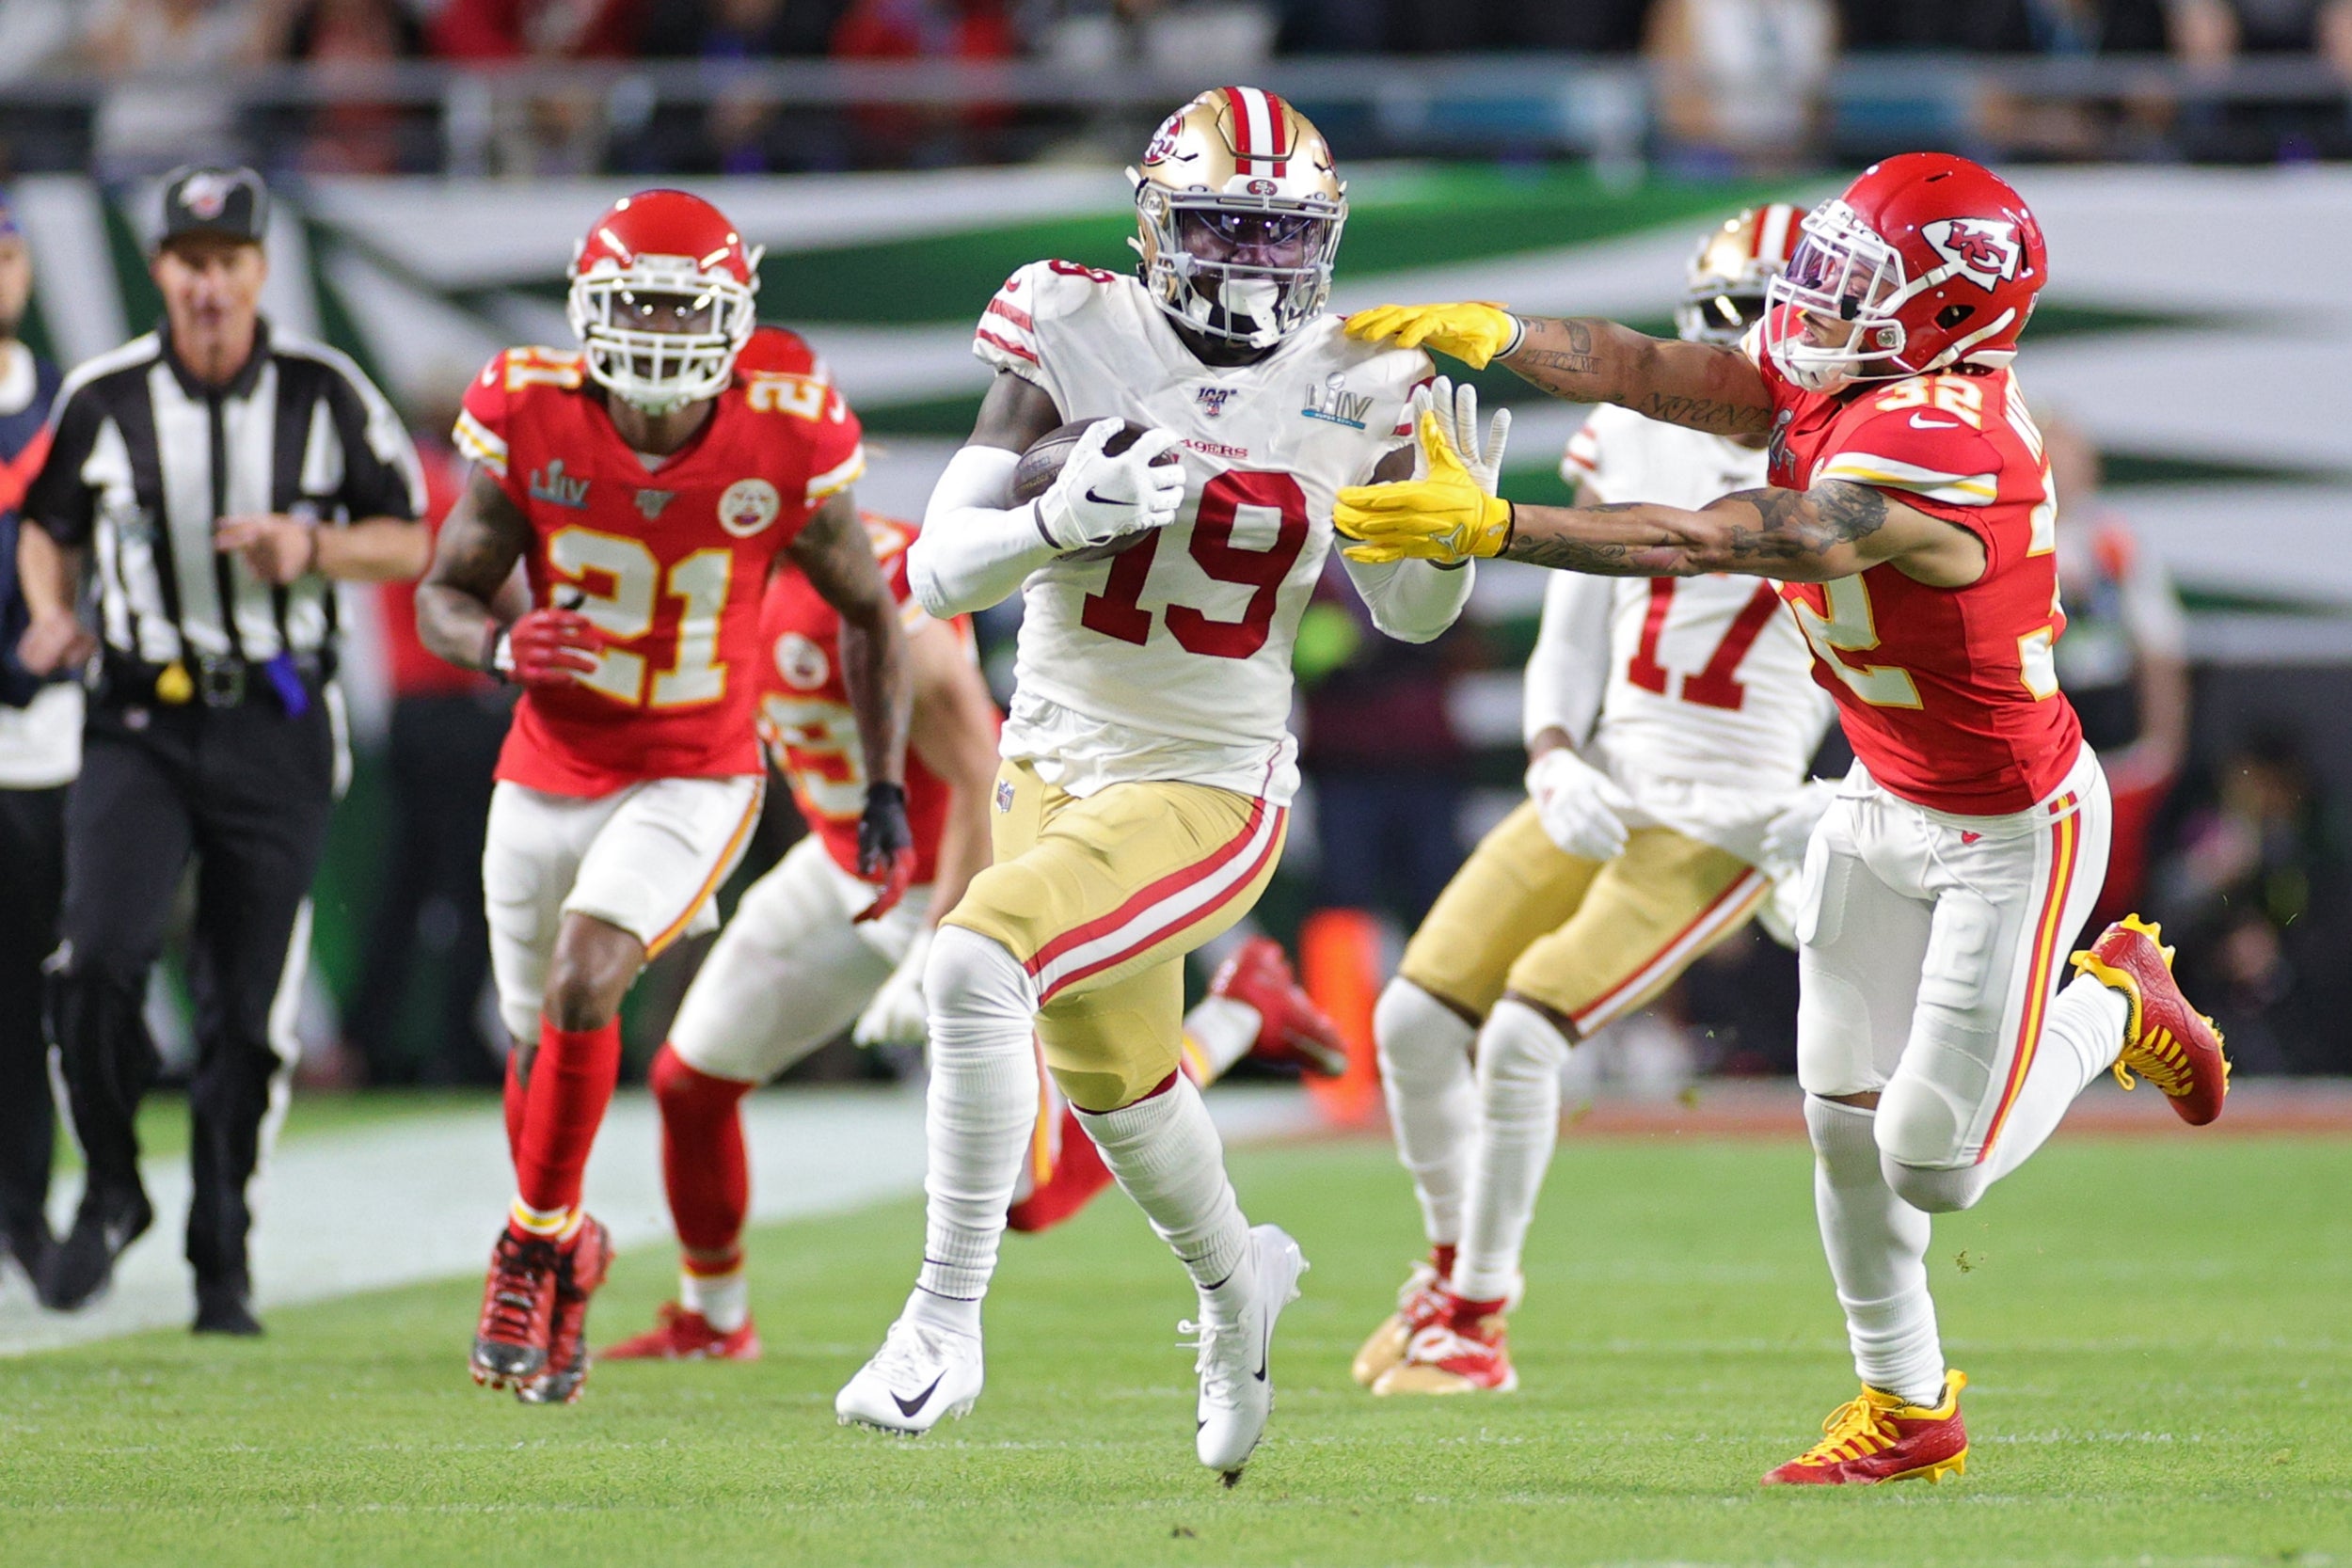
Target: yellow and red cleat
<point>1419,1302</point>
<point>2168,1042</point>
<point>678,1335</point>
<point>582,1260</point>
<point>1467,1350</point>
<point>1876,1437</point>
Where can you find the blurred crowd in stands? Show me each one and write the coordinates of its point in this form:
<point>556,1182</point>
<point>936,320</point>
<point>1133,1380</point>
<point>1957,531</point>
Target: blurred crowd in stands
<point>1743,82</point>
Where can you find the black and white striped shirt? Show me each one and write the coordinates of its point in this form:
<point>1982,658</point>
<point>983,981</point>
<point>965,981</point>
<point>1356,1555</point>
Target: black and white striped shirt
<point>145,459</point>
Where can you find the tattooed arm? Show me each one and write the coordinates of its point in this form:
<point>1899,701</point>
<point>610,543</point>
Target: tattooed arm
<point>1698,385</point>
<point>835,554</point>
<point>1832,530</point>
<point>461,604</point>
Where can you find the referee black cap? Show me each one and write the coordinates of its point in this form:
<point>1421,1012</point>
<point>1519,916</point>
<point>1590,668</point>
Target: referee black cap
<point>204,198</point>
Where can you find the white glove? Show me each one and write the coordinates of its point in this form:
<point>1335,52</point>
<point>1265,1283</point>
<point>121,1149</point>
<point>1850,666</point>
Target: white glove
<point>1791,829</point>
<point>898,1015</point>
<point>1098,497</point>
<point>1457,408</point>
<point>1579,805</point>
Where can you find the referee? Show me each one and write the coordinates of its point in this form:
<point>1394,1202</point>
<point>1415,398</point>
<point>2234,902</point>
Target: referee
<point>214,477</point>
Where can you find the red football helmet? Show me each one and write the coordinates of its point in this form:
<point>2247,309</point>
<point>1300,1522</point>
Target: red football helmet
<point>662,299</point>
<point>1936,262</point>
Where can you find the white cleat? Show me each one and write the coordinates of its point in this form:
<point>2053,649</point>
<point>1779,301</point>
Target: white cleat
<point>1234,1363</point>
<point>920,1377</point>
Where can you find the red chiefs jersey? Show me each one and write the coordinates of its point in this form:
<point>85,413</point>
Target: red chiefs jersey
<point>804,713</point>
<point>669,561</point>
<point>1948,695</point>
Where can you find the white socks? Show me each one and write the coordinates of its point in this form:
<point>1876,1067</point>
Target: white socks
<point>1166,1153</point>
<point>1520,1058</point>
<point>2082,1035</point>
<point>725,1300</point>
<point>978,1119</point>
<point>1877,1246</point>
<point>1218,1033</point>
<point>1433,1099</point>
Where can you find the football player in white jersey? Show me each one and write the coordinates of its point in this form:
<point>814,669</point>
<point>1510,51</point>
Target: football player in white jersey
<point>1669,724</point>
<point>1147,768</point>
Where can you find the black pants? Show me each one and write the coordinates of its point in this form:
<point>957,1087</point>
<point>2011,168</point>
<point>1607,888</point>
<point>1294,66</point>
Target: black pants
<point>32,875</point>
<point>443,750</point>
<point>246,790</point>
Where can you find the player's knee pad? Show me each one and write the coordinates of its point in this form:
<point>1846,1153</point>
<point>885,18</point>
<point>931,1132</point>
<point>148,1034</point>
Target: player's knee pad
<point>977,990</point>
<point>1923,1123</point>
<point>1519,1051</point>
<point>1934,1191</point>
<point>1419,1038</point>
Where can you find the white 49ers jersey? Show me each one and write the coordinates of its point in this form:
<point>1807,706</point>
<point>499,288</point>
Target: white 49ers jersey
<point>1694,693</point>
<point>1172,660</point>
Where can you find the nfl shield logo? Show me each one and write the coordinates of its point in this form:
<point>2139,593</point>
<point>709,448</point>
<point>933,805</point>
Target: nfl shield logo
<point>1004,796</point>
<point>1213,399</point>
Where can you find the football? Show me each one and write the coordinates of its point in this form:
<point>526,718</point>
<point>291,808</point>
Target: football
<point>1042,465</point>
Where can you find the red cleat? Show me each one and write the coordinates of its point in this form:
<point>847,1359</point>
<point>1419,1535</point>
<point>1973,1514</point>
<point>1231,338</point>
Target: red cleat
<point>510,1341</point>
<point>2169,1043</point>
<point>678,1335</point>
<point>1079,1174</point>
<point>1291,1029</point>
<point>1876,1437</point>
<point>581,1265</point>
<point>1465,1349</point>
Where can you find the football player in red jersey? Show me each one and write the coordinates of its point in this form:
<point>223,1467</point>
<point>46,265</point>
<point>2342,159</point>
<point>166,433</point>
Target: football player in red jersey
<point>794,968</point>
<point>648,481</point>
<point>1910,523</point>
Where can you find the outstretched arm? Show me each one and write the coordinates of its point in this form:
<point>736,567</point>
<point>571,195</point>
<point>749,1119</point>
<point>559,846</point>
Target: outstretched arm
<point>1413,601</point>
<point>1697,384</point>
<point>1832,530</point>
<point>833,553</point>
<point>1588,360</point>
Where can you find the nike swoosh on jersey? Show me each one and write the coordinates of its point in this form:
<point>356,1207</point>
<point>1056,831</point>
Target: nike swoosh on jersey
<point>908,1407</point>
<point>1921,422</point>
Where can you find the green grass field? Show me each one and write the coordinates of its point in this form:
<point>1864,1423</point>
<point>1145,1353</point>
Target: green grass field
<point>2156,1330</point>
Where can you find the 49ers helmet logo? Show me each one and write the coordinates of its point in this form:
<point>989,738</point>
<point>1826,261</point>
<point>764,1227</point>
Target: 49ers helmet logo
<point>1984,250</point>
<point>1163,144</point>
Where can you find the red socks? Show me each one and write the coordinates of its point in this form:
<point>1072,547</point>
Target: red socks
<point>571,1083</point>
<point>703,1164</point>
<point>1079,1174</point>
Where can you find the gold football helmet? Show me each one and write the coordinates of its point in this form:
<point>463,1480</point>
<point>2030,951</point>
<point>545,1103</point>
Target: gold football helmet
<point>1238,212</point>
<point>1723,291</point>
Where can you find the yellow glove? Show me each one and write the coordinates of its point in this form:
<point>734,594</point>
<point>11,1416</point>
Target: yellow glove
<point>1473,332</point>
<point>1445,518</point>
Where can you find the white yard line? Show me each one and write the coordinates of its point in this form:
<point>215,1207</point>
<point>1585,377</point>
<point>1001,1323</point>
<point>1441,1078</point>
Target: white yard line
<point>421,1198</point>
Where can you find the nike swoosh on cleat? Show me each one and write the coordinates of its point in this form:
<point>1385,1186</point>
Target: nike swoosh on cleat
<point>908,1407</point>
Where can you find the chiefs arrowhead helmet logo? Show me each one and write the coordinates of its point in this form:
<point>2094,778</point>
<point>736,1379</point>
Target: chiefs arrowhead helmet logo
<point>1982,250</point>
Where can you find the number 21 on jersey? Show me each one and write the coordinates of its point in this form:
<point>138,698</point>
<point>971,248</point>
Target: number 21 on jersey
<point>619,580</point>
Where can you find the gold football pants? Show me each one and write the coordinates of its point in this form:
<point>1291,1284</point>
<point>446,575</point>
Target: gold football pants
<point>1101,898</point>
<point>1592,940</point>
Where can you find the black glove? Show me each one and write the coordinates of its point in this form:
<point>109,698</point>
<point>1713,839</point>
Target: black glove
<point>885,848</point>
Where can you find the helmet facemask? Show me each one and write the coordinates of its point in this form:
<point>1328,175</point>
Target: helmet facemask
<point>662,332</point>
<point>1840,271</point>
<point>1246,269</point>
